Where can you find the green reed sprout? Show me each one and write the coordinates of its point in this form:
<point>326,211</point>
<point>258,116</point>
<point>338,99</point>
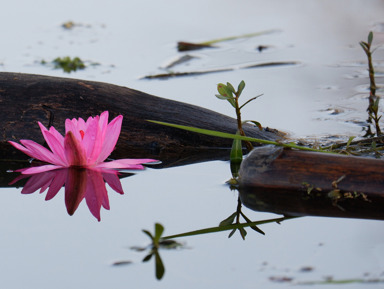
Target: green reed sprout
<point>373,106</point>
<point>228,92</point>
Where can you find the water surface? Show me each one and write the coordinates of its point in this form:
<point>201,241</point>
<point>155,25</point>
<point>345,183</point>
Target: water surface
<point>43,247</point>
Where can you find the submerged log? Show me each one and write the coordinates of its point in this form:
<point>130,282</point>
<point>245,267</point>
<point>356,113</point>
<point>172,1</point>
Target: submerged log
<point>26,99</point>
<point>298,183</point>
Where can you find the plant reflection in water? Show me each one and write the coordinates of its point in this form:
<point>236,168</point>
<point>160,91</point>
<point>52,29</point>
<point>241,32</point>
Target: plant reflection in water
<point>168,242</point>
<point>79,183</point>
<point>231,223</point>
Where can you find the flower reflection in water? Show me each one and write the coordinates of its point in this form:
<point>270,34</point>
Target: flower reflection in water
<point>79,183</point>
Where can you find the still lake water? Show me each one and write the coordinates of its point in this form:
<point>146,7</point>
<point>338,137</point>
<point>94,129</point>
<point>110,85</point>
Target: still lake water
<point>43,247</point>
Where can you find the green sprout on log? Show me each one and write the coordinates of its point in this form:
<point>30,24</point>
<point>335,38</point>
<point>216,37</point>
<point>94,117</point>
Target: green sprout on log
<point>228,92</point>
<point>373,107</point>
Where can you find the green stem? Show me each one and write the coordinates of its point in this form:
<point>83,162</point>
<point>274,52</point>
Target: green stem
<point>240,125</point>
<point>373,98</point>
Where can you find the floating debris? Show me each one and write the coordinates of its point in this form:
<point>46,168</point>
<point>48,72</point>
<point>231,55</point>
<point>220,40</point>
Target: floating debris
<point>180,60</point>
<point>187,46</point>
<point>68,64</point>
<point>261,48</point>
<point>122,263</point>
<point>68,25</point>
<point>194,73</point>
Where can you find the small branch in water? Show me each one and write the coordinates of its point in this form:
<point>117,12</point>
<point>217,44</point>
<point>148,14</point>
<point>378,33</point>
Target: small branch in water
<point>202,72</point>
<point>186,46</point>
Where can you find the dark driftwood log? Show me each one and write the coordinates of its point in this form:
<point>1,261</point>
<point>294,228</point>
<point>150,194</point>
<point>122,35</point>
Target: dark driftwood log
<point>302,183</point>
<point>26,99</point>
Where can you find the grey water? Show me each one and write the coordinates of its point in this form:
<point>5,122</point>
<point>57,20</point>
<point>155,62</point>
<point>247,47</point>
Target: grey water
<point>323,96</point>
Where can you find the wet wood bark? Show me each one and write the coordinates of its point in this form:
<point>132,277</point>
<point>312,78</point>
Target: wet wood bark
<point>299,183</point>
<point>26,99</point>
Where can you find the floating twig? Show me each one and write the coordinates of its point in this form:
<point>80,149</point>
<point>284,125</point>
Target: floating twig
<point>194,73</point>
<point>186,46</point>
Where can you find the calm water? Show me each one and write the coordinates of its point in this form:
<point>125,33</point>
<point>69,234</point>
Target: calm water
<point>43,247</point>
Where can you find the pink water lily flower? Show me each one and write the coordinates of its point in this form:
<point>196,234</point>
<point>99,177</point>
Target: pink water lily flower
<point>86,144</point>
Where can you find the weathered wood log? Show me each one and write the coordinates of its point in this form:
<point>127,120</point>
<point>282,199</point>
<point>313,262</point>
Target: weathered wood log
<point>298,183</point>
<point>26,99</point>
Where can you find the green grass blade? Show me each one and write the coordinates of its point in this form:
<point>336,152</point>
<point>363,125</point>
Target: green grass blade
<point>234,136</point>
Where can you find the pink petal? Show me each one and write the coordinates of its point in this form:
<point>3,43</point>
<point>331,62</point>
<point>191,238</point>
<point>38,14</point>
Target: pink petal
<point>18,178</point>
<point>75,189</point>
<point>90,119</point>
<point>90,140</point>
<point>113,181</point>
<point>41,153</point>
<point>39,169</point>
<point>103,121</point>
<point>111,136</point>
<point>71,126</point>
<point>134,164</point>
<point>36,182</point>
<point>81,124</point>
<point>53,132</point>
<point>74,152</point>
<point>57,183</point>
<point>57,135</point>
<point>96,193</point>
<point>21,148</point>
<point>56,146</point>
<point>100,134</point>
